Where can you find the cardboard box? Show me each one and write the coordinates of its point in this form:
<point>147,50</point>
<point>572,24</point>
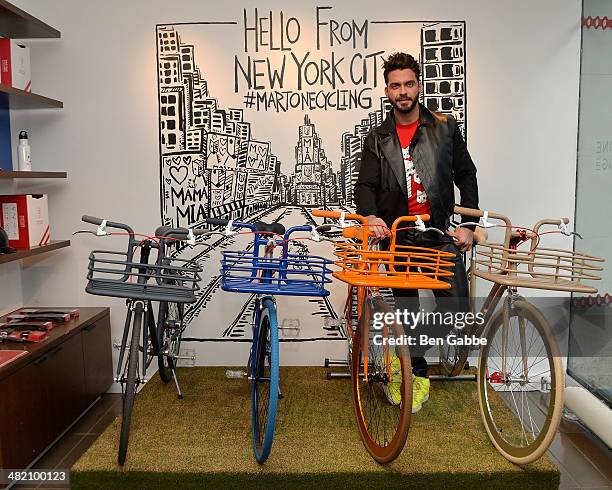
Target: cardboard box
<point>25,218</point>
<point>15,65</point>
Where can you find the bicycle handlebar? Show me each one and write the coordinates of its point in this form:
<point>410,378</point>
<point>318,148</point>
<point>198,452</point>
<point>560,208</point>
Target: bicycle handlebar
<point>167,232</point>
<point>217,221</point>
<point>225,222</point>
<point>320,213</point>
<point>479,213</point>
<point>98,221</point>
<point>91,219</point>
<point>557,222</point>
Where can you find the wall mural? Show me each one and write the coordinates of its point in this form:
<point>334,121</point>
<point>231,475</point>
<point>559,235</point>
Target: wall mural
<point>263,117</point>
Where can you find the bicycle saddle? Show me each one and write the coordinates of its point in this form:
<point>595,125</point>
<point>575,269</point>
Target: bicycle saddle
<point>277,228</point>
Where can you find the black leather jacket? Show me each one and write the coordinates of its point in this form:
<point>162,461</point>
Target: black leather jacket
<point>440,158</point>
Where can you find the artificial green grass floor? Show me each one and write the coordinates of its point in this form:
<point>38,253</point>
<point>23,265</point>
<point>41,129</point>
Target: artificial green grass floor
<point>204,440</point>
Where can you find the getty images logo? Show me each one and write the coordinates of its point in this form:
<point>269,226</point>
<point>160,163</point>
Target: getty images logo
<point>410,319</point>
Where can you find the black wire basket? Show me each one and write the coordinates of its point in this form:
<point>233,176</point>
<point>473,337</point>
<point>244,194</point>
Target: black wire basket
<point>111,274</point>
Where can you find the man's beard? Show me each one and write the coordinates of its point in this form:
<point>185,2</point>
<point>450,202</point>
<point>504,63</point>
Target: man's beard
<point>406,109</point>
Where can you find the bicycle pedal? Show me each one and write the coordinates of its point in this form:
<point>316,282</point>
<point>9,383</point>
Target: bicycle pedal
<point>232,374</point>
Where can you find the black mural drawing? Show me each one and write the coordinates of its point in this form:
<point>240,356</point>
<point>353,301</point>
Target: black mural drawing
<point>212,165</point>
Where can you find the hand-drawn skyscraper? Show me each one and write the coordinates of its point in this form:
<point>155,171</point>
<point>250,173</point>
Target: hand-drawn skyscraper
<point>443,69</point>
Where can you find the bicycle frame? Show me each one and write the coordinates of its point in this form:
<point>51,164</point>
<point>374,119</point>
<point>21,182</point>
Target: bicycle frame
<point>148,323</point>
<point>265,276</point>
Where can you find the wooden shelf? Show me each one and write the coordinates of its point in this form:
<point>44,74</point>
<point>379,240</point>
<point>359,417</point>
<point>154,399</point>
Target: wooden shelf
<point>19,99</point>
<point>17,24</point>
<point>18,174</point>
<point>22,253</point>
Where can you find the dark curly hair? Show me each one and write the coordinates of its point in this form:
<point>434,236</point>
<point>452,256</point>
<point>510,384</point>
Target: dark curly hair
<point>401,61</point>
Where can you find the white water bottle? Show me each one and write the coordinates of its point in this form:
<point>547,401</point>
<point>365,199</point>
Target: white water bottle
<point>24,155</point>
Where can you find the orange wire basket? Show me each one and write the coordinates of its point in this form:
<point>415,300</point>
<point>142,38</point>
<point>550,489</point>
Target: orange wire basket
<point>404,267</point>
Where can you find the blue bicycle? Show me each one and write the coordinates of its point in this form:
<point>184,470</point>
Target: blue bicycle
<point>258,271</point>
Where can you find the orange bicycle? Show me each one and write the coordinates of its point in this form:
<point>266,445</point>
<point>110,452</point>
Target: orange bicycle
<point>381,372</point>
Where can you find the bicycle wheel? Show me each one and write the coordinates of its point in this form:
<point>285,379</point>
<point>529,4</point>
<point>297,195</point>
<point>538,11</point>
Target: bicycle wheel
<point>520,393</point>
<point>169,334</point>
<point>130,386</point>
<point>383,425</point>
<point>265,383</point>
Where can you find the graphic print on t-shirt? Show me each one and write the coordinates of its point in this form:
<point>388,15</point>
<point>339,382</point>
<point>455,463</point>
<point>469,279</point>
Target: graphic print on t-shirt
<point>417,198</point>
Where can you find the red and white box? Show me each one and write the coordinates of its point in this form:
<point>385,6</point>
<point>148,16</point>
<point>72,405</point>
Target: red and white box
<point>15,65</point>
<point>25,218</point>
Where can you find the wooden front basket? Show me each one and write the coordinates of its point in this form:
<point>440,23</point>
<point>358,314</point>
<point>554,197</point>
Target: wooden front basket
<point>404,267</point>
<point>542,268</point>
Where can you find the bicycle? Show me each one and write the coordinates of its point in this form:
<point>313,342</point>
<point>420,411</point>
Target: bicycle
<point>170,281</point>
<point>521,355</point>
<point>379,360</point>
<point>268,276</point>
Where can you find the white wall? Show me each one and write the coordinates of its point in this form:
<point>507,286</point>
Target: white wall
<point>522,82</point>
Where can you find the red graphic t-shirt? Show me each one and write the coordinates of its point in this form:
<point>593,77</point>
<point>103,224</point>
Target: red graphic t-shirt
<point>417,199</point>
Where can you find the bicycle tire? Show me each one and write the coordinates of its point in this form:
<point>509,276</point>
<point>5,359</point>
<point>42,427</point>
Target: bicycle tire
<point>168,337</point>
<point>502,429</point>
<point>369,399</point>
<point>130,386</point>
<point>264,399</point>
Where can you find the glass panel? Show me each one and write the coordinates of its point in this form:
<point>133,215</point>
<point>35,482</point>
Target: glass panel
<point>590,346</point>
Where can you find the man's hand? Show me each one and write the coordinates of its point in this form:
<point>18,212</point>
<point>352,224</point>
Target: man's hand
<point>464,238</point>
<point>378,228</point>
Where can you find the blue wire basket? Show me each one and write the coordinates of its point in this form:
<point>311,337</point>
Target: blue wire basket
<point>292,275</point>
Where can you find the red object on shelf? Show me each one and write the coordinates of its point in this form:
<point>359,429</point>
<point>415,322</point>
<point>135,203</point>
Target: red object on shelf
<point>47,317</point>
<point>8,356</point>
<point>25,218</point>
<point>73,312</point>
<point>25,324</point>
<point>15,65</point>
<point>27,336</point>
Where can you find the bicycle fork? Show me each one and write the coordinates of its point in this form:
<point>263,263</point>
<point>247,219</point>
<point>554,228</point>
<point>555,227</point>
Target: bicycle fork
<point>131,307</point>
<point>505,377</point>
<point>253,353</point>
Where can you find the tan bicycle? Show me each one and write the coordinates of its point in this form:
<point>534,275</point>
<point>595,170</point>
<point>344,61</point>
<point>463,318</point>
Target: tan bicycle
<point>520,366</point>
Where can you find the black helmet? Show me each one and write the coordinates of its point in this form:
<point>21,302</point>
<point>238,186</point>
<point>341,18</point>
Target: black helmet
<point>5,248</point>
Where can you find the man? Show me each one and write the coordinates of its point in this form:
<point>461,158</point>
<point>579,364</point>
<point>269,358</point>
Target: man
<point>408,167</point>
